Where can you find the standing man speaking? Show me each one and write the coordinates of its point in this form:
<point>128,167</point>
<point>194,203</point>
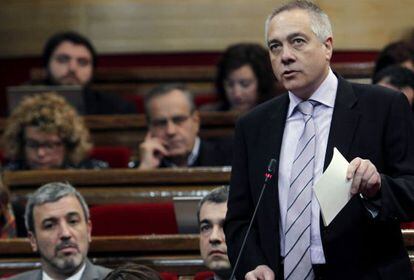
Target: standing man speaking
<point>371,126</point>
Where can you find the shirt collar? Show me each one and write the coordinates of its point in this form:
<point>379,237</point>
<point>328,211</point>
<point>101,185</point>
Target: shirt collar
<point>194,153</point>
<point>76,276</point>
<point>192,157</point>
<point>325,94</point>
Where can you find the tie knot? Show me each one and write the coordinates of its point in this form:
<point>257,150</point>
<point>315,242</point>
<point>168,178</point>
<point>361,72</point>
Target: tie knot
<point>306,107</point>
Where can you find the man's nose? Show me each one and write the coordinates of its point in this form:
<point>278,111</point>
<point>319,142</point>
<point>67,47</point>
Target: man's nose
<point>171,127</point>
<point>73,64</point>
<point>287,56</point>
<point>217,235</point>
<point>65,232</point>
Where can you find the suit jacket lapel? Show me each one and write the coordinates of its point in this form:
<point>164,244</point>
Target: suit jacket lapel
<point>272,130</point>
<point>345,119</point>
<point>90,272</point>
<point>38,274</point>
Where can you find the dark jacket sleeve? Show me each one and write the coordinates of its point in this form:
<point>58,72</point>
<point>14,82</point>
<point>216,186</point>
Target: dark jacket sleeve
<point>240,210</point>
<point>397,182</point>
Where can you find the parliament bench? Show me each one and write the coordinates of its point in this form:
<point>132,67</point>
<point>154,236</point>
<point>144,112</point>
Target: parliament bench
<point>122,185</point>
<point>173,253</point>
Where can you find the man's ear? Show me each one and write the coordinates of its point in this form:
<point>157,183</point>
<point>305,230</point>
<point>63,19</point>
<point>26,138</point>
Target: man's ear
<point>33,241</point>
<point>329,47</point>
<point>89,226</point>
<point>196,119</point>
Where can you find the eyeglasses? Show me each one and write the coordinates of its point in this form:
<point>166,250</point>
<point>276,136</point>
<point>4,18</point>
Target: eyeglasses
<point>162,123</point>
<point>49,145</point>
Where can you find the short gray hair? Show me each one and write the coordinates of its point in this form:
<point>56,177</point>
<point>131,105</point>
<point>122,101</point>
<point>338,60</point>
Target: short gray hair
<point>51,192</point>
<point>164,89</point>
<point>217,195</point>
<point>320,23</point>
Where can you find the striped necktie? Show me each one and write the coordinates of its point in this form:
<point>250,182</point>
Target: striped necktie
<point>297,262</point>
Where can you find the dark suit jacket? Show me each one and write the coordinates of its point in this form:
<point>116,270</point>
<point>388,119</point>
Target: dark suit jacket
<point>211,153</point>
<point>98,103</point>
<point>92,272</point>
<point>214,153</point>
<point>368,122</point>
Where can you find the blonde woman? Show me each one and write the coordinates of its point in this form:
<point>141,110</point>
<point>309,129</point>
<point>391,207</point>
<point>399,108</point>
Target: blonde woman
<point>45,132</point>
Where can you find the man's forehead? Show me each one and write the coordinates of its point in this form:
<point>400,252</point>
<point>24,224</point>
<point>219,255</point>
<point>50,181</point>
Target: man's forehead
<point>295,18</point>
<point>59,208</point>
<point>210,210</point>
<point>169,104</point>
<point>68,47</point>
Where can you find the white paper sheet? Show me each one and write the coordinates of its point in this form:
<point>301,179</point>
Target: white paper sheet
<point>333,189</point>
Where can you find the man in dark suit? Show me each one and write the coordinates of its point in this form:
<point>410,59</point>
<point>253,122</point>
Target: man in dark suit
<point>70,59</point>
<point>172,139</point>
<point>211,213</point>
<point>59,229</point>
<point>371,126</point>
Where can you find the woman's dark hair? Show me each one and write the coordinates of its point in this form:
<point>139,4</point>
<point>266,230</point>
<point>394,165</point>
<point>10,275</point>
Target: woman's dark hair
<point>394,53</point>
<point>257,58</point>
<point>395,75</point>
<point>70,36</point>
<point>132,271</point>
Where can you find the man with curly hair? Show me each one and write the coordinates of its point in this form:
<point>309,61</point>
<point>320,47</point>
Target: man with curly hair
<point>45,132</point>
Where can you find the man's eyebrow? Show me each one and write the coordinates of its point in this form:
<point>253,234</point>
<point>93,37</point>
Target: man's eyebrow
<point>72,214</point>
<point>205,221</point>
<point>49,219</point>
<point>296,34</point>
<point>272,41</point>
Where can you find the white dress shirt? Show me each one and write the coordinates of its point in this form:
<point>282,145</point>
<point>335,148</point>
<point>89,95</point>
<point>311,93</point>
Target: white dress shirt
<point>325,95</point>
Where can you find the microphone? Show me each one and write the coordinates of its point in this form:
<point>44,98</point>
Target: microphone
<point>271,168</point>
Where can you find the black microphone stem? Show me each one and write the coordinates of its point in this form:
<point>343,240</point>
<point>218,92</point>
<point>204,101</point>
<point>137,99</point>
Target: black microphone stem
<point>268,176</point>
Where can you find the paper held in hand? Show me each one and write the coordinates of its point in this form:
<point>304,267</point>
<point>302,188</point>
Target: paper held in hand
<point>333,189</point>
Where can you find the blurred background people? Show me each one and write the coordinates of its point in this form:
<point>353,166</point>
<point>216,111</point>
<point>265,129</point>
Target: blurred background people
<point>70,59</point>
<point>173,126</point>
<point>45,132</point>
<point>396,53</point>
<point>132,271</point>
<point>244,78</point>
<point>398,78</point>
<point>7,219</point>
<point>211,215</point>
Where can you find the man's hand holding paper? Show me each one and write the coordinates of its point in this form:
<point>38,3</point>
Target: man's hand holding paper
<point>364,176</point>
<point>341,180</point>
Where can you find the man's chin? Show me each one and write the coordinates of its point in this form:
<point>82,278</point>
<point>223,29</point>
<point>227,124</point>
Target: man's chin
<point>177,153</point>
<point>219,265</point>
<point>68,265</point>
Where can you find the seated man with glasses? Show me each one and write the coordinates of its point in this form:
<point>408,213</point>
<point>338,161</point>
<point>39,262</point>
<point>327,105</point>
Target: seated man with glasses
<point>172,139</point>
<point>45,132</point>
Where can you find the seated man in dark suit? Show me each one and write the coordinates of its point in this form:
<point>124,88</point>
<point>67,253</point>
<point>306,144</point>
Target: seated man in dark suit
<point>59,229</point>
<point>213,249</point>
<point>70,59</point>
<point>172,139</point>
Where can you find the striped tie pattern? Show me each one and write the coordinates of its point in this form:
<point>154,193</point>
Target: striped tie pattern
<point>297,262</point>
